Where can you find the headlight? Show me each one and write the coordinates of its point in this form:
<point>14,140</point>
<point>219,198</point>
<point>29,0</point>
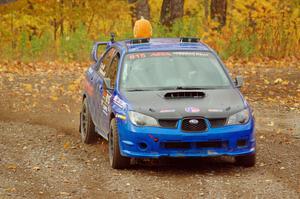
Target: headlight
<point>241,117</point>
<point>139,119</point>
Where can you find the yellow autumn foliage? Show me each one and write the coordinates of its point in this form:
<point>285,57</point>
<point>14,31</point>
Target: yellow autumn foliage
<point>65,30</point>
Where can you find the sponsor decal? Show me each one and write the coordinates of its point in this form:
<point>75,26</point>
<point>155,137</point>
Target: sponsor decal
<point>166,54</point>
<point>120,116</point>
<point>192,109</point>
<point>120,103</point>
<point>215,110</point>
<point>105,102</point>
<point>160,54</point>
<point>167,111</point>
<point>195,54</point>
<point>105,110</point>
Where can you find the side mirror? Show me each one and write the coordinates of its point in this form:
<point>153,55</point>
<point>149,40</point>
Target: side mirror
<point>94,53</point>
<point>107,83</point>
<point>238,81</point>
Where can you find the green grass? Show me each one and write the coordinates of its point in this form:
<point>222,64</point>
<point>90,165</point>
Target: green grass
<point>76,46</point>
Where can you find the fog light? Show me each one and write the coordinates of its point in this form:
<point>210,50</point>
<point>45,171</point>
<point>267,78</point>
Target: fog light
<point>241,143</point>
<point>142,146</point>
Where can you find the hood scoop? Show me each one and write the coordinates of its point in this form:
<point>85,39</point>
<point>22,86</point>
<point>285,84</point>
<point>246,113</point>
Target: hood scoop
<point>184,94</point>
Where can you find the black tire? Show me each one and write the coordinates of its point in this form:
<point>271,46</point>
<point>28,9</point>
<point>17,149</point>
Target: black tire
<point>246,160</point>
<point>116,160</point>
<point>87,127</point>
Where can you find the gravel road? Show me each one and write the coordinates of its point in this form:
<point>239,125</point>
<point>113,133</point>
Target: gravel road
<point>41,155</point>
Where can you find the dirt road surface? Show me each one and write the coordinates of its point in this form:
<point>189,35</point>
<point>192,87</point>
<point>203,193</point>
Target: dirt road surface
<point>41,155</point>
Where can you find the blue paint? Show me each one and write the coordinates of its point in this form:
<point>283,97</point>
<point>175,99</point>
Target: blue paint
<point>131,136</point>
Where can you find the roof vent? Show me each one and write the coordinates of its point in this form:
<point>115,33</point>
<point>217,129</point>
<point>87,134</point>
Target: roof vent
<point>184,94</point>
<point>139,41</point>
<point>189,40</point>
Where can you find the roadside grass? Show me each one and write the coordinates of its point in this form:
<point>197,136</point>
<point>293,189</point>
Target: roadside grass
<point>240,42</point>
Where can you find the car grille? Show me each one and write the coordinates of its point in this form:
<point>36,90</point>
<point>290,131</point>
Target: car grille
<point>217,122</point>
<point>176,145</point>
<point>193,124</point>
<point>198,145</point>
<point>168,123</point>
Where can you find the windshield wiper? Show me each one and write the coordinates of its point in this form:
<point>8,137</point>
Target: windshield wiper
<point>136,89</point>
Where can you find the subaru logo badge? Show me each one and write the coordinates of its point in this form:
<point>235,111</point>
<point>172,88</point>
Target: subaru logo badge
<point>193,121</point>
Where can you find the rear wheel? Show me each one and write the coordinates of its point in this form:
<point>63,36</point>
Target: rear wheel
<point>87,127</point>
<point>117,161</point>
<point>246,160</point>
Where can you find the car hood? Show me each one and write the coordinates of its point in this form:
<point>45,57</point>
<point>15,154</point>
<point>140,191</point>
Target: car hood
<point>216,103</point>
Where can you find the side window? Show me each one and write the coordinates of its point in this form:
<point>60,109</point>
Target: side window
<point>111,71</point>
<point>106,60</point>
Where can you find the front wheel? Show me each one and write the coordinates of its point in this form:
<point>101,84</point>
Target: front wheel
<point>246,160</point>
<point>117,161</point>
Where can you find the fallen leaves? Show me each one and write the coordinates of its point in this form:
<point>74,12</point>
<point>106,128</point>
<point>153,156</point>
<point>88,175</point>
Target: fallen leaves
<point>271,123</point>
<point>12,167</point>
<point>11,190</point>
<point>266,81</point>
<point>66,145</point>
<point>278,80</point>
<point>53,98</point>
<point>64,193</point>
<point>36,168</point>
<point>67,108</point>
<point>27,87</point>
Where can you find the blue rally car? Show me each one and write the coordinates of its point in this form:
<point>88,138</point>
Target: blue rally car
<point>165,97</point>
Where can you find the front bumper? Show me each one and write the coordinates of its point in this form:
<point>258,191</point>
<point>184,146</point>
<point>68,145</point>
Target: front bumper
<point>156,142</point>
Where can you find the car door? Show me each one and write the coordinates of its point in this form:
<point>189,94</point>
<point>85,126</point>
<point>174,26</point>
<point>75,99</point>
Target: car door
<point>100,93</point>
<point>90,87</point>
<point>111,73</point>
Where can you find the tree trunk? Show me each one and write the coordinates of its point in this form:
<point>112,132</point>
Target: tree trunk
<point>55,27</point>
<point>74,6</point>
<point>170,11</point>
<point>139,8</point>
<point>206,7</point>
<point>206,14</point>
<point>218,10</point>
<point>61,8</point>
<point>12,29</point>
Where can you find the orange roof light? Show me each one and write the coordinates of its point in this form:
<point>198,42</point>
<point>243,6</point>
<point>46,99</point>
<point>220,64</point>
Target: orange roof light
<point>142,28</point>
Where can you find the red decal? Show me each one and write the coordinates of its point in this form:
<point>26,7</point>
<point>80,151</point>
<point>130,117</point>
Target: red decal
<point>137,56</point>
<point>151,136</point>
<point>88,87</point>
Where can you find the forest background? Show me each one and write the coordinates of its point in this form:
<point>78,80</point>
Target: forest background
<point>64,30</point>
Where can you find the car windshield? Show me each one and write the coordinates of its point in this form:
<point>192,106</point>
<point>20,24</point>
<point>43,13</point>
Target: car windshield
<point>172,70</point>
